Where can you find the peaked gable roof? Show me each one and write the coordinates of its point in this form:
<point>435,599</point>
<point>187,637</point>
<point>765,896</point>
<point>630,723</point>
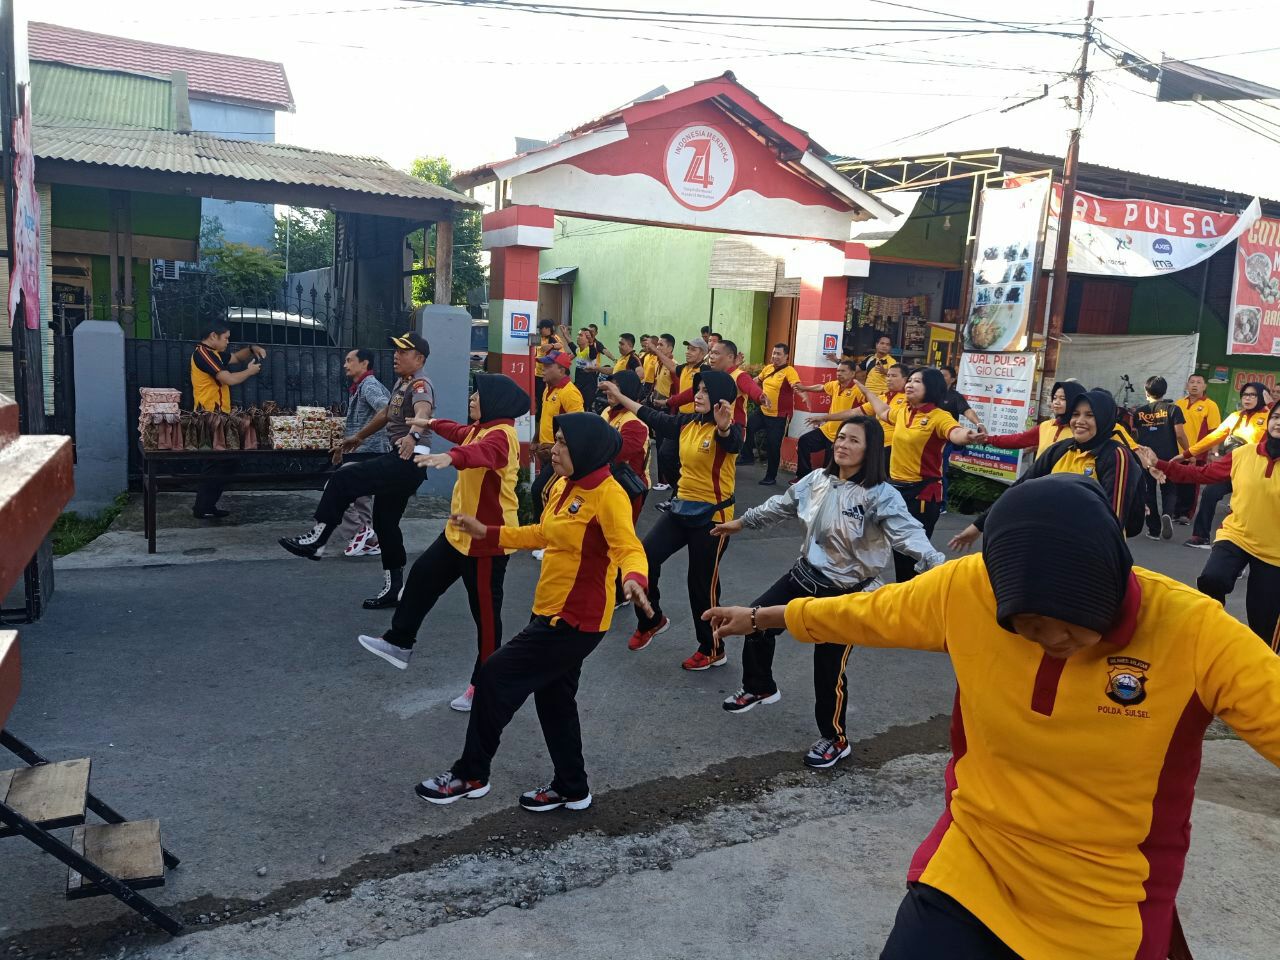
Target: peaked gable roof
<point>210,76</point>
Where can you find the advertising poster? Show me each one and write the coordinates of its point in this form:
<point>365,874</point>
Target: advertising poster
<point>1000,387</point>
<point>1253,325</point>
<point>1004,268</point>
<point>1140,238</point>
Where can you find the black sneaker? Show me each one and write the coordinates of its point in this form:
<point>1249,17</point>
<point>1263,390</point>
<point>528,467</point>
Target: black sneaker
<point>214,514</point>
<point>742,701</point>
<point>827,753</point>
<point>1153,535</point>
<point>389,595</point>
<point>768,482</point>
<point>446,788</point>
<point>1200,543</point>
<point>1166,527</point>
<point>308,545</point>
<point>545,798</point>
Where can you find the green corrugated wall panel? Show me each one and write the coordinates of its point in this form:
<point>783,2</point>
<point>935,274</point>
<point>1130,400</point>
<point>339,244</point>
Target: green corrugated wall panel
<point>76,95</point>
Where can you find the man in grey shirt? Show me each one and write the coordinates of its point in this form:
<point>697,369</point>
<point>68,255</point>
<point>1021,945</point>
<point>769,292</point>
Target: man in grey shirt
<point>368,397</point>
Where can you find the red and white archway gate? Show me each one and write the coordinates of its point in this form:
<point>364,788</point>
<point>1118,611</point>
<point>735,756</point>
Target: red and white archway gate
<point>708,157</point>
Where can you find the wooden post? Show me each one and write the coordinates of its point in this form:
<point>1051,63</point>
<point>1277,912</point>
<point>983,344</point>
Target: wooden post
<point>444,262</point>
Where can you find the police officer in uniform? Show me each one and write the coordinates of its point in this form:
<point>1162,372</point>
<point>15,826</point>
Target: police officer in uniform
<point>391,478</point>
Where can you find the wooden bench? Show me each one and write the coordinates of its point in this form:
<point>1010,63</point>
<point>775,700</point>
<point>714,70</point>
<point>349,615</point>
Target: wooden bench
<point>116,857</point>
<point>261,468</point>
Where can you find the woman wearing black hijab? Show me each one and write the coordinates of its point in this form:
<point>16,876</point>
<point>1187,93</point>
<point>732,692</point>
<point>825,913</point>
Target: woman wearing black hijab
<point>1084,688</point>
<point>1062,400</point>
<point>587,536</point>
<point>709,441</point>
<point>635,435</point>
<point>1091,451</point>
<point>487,458</point>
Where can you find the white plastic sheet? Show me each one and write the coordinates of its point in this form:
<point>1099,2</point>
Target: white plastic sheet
<point>1104,360</point>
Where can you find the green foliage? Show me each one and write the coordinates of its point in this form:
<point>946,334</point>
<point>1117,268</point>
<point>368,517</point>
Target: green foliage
<point>527,512</point>
<point>72,531</point>
<point>971,494</point>
<point>304,238</point>
<point>211,233</point>
<point>249,274</point>
<point>468,271</point>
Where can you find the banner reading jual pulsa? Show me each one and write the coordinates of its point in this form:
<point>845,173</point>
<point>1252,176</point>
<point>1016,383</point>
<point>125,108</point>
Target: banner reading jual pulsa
<point>1140,238</point>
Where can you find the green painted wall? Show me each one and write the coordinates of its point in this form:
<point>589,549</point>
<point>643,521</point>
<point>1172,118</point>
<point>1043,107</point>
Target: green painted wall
<point>1162,307</point>
<point>637,279</point>
<point>924,237</point>
<point>87,208</point>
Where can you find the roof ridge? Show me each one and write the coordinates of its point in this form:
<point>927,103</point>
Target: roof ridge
<point>153,43</point>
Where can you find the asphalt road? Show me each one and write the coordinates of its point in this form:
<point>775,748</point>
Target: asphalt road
<point>230,700</point>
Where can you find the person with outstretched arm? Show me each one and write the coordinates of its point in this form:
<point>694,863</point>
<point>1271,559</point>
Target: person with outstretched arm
<point>1081,706</point>
<point>585,529</point>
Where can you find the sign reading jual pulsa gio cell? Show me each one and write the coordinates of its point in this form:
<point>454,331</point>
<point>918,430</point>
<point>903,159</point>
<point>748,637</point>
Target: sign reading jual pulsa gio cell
<point>998,387</point>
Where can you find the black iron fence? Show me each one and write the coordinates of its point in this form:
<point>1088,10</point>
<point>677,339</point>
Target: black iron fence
<point>185,308</point>
<point>292,375</point>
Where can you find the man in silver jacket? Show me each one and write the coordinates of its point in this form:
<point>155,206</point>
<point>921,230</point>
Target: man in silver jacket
<point>854,520</point>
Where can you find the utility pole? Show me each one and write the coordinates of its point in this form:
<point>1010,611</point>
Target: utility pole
<point>1058,291</point>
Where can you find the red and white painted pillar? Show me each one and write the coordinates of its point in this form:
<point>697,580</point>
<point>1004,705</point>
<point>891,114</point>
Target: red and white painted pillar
<point>514,236</point>
<point>824,272</point>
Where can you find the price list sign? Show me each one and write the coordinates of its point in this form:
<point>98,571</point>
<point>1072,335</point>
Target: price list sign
<point>999,387</point>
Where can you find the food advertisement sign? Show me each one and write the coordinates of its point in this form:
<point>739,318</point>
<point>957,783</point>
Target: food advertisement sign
<point>1140,238</point>
<point>1004,269</point>
<point>1253,326</point>
<point>999,388</point>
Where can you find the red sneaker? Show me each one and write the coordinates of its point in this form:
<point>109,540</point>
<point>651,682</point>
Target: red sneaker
<point>700,661</point>
<point>640,639</point>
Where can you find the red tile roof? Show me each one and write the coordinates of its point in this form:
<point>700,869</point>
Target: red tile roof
<point>210,76</point>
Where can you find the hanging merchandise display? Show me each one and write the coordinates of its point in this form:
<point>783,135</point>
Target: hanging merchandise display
<point>1141,238</point>
<point>1006,251</point>
<point>1254,322</point>
<point>870,310</point>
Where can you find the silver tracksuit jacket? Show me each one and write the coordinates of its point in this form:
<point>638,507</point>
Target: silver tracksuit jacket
<point>850,531</point>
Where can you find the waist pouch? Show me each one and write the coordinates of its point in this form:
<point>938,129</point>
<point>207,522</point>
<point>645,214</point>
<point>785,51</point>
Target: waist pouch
<point>915,490</point>
<point>816,584</point>
<point>695,513</point>
<point>628,479</point>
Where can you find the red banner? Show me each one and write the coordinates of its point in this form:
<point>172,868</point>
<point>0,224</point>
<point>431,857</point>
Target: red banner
<point>1253,326</point>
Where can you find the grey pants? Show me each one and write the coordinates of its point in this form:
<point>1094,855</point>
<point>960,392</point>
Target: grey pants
<point>359,514</point>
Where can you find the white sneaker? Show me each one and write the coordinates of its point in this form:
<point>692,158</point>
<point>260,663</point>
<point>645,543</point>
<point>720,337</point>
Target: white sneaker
<point>363,544</point>
<point>662,486</point>
<point>462,703</point>
<point>537,555</point>
<point>398,657</point>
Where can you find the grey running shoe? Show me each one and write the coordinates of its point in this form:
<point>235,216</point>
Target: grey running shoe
<point>398,657</point>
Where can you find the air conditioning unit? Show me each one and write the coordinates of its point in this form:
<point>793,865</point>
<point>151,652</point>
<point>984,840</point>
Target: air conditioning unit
<point>169,270</point>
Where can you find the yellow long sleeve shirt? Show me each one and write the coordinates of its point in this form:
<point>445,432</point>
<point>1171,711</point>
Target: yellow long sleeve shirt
<point>1247,427</point>
<point>587,533</point>
<point>1068,794</point>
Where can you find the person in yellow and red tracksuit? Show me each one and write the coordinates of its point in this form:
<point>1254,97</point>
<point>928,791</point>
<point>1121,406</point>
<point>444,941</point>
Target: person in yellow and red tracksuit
<point>1245,427</point>
<point>853,519</point>
<point>1202,416</point>
<point>560,395</point>
<point>723,356</point>
<point>777,379</point>
<point>845,394</point>
<point>487,458</point>
<point>634,451</point>
<point>895,398</point>
<point>1047,432</point>
<point>709,444</point>
<point>1250,534</point>
<point>679,401</point>
<point>1092,451</point>
<point>1081,706</point>
<point>921,430</point>
<point>588,537</point>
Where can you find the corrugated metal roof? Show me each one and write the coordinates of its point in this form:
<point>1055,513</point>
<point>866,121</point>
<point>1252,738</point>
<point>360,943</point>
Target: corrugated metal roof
<point>64,94</point>
<point>165,151</point>
<point>210,76</point>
